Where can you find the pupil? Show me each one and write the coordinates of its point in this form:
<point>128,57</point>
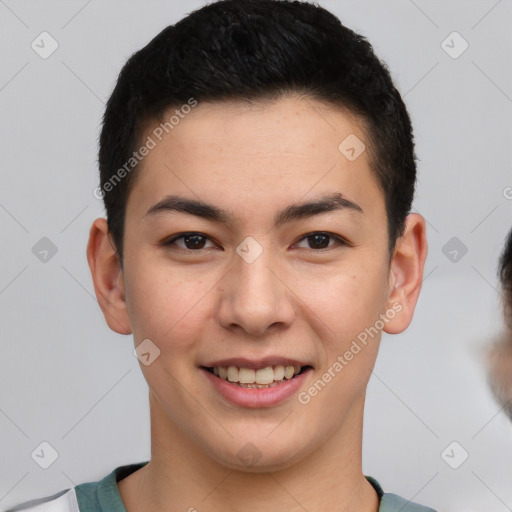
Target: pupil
<point>316,237</point>
<point>195,244</point>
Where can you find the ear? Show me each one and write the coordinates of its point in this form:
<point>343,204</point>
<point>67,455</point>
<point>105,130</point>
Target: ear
<point>108,278</point>
<point>406,273</point>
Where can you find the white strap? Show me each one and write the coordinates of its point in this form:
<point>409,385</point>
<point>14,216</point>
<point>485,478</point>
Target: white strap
<point>66,502</point>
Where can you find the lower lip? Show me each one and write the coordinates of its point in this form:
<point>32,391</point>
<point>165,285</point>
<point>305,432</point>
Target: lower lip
<point>256,397</point>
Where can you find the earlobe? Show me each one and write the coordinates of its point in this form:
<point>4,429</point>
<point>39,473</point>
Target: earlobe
<point>406,273</point>
<point>107,277</point>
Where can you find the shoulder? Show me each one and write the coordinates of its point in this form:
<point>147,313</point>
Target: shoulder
<point>393,503</point>
<point>63,501</point>
<point>81,498</point>
<point>100,496</point>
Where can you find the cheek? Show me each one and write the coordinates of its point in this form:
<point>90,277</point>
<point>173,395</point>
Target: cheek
<point>350,305</point>
<point>346,301</point>
<point>165,307</point>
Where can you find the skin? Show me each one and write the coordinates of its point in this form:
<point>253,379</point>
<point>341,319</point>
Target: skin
<point>499,366</point>
<point>296,300</point>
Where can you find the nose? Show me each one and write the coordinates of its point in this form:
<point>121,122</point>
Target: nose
<point>255,298</point>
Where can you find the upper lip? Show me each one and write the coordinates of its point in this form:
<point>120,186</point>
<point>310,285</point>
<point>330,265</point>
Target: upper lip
<point>256,364</point>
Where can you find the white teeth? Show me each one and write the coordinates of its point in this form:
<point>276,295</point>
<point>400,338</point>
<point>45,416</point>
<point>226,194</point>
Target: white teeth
<point>264,377</point>
<point>288,372</point>
<point>246,376</point>
<point>279,372</point>
<point>233,374</point>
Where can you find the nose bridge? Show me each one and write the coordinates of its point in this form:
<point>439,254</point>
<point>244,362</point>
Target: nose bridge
<point>254,298</point>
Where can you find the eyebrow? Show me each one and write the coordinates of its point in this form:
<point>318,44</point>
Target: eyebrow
<point>325,204</point>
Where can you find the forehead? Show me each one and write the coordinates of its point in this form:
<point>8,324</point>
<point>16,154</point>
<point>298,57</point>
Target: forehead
<point>249,155</point>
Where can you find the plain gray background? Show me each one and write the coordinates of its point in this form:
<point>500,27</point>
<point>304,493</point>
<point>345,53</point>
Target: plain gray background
<point>66,379</point>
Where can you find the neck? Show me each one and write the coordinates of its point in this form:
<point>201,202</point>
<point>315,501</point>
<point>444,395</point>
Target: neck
<point>180,477</point>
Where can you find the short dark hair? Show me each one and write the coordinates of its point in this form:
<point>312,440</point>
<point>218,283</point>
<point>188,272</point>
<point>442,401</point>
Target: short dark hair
<point>505,276</point>
<point>258,50</point>
<point>499,355</point>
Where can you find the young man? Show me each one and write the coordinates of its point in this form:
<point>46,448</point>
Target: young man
<point>500,355</point>
<point>257,167</point>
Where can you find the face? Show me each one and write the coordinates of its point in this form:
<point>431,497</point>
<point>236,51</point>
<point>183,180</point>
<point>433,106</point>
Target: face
<point>257,280</point>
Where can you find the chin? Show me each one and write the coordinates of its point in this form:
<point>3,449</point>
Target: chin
<point>261,456</point>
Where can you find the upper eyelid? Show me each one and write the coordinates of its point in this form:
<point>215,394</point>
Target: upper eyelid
<point>178,236</point>
<point>341,240</point>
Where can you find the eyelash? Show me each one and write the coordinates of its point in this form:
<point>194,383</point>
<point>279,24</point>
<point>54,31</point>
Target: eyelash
<point>338,239</point>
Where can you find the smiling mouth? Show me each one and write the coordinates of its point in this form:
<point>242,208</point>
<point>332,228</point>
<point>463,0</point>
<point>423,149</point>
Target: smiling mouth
<point>263,378</point>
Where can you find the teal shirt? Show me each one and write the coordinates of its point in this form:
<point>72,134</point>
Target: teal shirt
<point>103,496</point>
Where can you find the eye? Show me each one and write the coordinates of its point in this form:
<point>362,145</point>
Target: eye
<point>320,240</point>
<point>192,241</point>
